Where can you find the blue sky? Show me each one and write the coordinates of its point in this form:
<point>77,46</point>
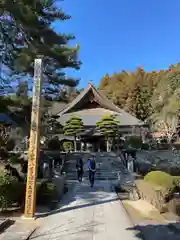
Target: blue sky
<point>122,34</point>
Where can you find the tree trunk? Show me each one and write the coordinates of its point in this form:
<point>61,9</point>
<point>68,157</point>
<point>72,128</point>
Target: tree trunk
<point>118,143</point>
<point>110,144</point>
<point>75,144</point>
<point>107,144</point>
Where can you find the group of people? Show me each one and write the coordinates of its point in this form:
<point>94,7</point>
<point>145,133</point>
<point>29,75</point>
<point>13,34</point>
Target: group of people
<point>91,168</point>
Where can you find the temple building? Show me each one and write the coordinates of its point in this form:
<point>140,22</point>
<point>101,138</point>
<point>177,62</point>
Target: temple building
<point>90,105</point>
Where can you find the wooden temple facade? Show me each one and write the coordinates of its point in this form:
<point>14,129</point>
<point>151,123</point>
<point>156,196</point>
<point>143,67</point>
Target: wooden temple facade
<point>90,105</point>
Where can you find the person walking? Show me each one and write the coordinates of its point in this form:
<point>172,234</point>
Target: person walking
<point>92,170</point>
<point>130,164</point>
<point>79,168</point>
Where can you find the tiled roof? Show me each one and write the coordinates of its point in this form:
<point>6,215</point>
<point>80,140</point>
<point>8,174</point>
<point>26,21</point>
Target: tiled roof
<point>91,116</point>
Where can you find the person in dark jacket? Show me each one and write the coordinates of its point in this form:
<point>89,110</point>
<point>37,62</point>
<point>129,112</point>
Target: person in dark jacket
<point>79,168</point>
<point>92,170</point>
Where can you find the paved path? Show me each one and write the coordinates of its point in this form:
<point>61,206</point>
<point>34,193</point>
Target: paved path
<point>87,213</point>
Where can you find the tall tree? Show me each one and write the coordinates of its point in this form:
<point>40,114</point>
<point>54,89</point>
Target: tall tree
<point>27,32</point>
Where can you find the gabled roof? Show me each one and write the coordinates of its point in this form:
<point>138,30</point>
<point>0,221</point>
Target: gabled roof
<point>99,98</point>
<point>90,116</point>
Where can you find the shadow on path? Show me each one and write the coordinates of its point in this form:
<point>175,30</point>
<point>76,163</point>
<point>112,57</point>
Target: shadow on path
<point>77,207</point>
<point>81,196</point>
<point>157,231</point>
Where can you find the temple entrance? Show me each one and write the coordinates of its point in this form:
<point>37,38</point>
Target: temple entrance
<point>94,143</point>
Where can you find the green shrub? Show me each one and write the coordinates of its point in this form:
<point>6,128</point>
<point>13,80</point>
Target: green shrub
<point>155,195</point>
<point>67,146</point>
<point>134,141</point>
<point>145,146</point>
<point>46,193</point>
<point>160,178</point>
<point>11,191</point>
<point>54,144</point>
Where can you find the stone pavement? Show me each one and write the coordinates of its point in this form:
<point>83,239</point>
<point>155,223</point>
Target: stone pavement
<point>87,213</point>
<point>20,230</point>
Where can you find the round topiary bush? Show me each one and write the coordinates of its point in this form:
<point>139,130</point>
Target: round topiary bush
<point>160,178</point>
<point>54,144</point>
<point>67,146</point>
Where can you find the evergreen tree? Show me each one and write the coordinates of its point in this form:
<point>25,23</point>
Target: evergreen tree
<point>22,90</point>
<point>26,32</point>
<point>73,127</point>
<point>108,127</point>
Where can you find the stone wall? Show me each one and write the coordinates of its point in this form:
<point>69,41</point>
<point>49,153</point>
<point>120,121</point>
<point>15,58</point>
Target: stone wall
<point>164,160</point>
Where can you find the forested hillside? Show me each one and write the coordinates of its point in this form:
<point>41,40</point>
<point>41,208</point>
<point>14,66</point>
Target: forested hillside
<point>151,96</point>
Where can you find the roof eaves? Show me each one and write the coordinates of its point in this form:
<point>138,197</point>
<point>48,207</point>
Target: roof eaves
<point>103,99</point>
<point>75,101</point>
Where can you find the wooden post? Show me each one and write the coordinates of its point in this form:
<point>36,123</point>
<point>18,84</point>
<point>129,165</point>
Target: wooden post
<point>34,144</point>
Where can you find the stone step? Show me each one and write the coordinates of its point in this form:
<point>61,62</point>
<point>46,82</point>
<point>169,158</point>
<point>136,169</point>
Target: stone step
<point>96,178</point>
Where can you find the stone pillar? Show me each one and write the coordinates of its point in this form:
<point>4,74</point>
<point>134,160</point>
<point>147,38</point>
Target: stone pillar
<point>33,154</point>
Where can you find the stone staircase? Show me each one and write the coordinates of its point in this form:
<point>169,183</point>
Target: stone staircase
<point>108,166</point>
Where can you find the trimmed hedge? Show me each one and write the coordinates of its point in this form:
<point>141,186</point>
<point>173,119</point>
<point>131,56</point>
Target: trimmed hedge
<point>67,146</point>
<point>157,188</point>
<point>155,195</point>
<point>160,178</point>
<point>46,193</point>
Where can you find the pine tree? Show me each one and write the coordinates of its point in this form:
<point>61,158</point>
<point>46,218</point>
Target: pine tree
<point>22,90</point>
<point>108,127</point>
<point>73,127</point>
<point>26,32</point>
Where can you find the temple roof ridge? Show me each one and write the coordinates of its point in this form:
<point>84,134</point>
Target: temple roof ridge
<point>101,99</point>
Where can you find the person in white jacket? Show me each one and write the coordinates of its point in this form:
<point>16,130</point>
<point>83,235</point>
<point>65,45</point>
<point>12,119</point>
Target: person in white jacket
<point>130,164</point>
